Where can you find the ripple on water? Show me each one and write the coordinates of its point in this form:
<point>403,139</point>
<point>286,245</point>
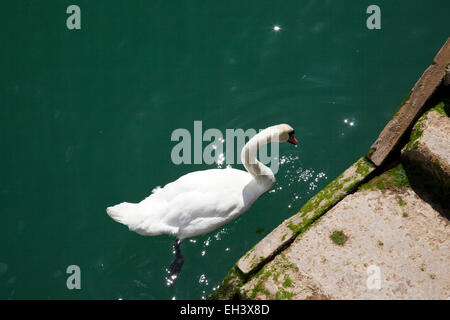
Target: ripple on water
<point>298,179</point>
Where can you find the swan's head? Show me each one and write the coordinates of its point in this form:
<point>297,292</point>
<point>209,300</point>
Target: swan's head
<point>286,133</point>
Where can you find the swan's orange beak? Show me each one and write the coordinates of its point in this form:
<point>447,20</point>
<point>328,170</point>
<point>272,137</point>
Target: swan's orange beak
<point>292,140</point>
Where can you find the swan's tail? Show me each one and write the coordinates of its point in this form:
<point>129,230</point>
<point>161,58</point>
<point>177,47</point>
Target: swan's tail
<point>123,213</point>
<point>138,220</point>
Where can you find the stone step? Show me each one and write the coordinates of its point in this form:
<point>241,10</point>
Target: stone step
<point>429,146</point>
<point>382,242</point>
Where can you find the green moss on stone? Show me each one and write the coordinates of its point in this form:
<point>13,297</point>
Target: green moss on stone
<point>400,201</point>
<point>289,265</point>
<point>398,177</point>
<point>363,167</point>
<point>229,286</point>
<point>393,179</point>
<point>338,237</point>
<point>366,186</point>
<point>380,184</point>
<point>370,152</point>
<point>259,288</point>
<point>287,282</point>
<point>256,261</point>
<point>276,275</point>
<point>283,294</point>
<point>440,108</point>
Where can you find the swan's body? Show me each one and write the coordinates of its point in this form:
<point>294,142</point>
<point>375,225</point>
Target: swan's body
<point>202,201</point>
<point>195,204</point>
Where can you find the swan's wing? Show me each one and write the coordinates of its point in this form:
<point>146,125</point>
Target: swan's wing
<point>205,181</point>
<point>201,201</point>
<point>199,213</point>
<point>208,193</point>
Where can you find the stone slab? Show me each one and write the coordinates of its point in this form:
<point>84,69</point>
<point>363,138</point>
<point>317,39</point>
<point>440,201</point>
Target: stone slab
<point>408,112</point>
<point>407,241</point>
<point>431,145</point>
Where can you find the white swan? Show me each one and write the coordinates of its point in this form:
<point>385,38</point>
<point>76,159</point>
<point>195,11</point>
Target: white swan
<point>202,201</point>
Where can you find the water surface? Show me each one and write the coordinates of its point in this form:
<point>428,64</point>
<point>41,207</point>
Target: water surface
<point>86,118</point>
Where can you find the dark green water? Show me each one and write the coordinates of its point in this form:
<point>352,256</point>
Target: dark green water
<point>86,118</point>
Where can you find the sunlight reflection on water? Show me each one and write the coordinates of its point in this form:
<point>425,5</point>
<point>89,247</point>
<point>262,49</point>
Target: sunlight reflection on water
<point>295,176</point>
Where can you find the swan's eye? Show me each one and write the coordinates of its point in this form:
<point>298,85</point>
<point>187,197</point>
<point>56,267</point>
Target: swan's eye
<point>291,133</point>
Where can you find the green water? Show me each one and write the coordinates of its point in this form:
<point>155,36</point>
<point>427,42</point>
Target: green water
<point>86,117</point>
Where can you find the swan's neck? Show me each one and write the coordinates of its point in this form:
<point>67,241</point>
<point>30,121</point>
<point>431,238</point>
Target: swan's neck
<point>248,157</point>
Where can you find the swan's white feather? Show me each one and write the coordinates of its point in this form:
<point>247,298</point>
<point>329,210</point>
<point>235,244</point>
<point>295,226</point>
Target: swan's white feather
<point>196,203</point>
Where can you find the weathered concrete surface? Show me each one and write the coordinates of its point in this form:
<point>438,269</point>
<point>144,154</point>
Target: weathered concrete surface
<point>430,144</point>
<point>406,239</point>
<point>316,206</point>
<point>409,110</point>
